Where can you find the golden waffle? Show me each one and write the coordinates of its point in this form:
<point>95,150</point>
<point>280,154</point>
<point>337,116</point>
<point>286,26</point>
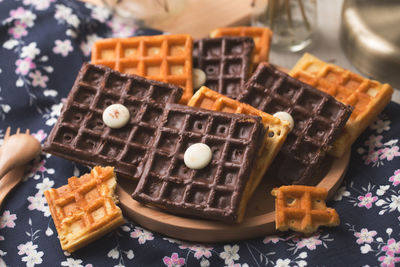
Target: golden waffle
<point>368,97</point>
<point>302,209</point>
<point>84,209</point>
<point>261,35</point>
<point>166,58</point>
<point>276,129</point>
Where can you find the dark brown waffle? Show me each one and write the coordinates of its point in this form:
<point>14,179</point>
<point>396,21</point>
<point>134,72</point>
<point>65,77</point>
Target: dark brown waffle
<point>318,121</point>
<point>221,190</point>
<point>225,61</point>
<point>80,134</point>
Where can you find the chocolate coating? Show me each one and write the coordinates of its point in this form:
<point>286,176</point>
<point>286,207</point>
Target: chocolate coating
<point>80,134</point>
<point>318,121</point>
<point>225,61</point>
<point>215,191</point>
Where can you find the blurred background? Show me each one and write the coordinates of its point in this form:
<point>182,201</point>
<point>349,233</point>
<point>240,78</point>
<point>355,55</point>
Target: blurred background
<point>359,35</point>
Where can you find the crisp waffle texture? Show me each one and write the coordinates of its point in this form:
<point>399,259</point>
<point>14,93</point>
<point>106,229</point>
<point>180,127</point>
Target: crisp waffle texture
<point>166,58</point>
<point>318,121</point>
<point>225,61</point>
<point>216,192</point>
<point>368,97</point>
<point>261,35</point>
<point>276,130</point>
<point>302,209</point>
<point>85,209</point>
<point>80,134</point>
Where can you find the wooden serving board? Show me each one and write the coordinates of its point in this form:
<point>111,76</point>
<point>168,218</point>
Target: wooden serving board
<point>259,219</point>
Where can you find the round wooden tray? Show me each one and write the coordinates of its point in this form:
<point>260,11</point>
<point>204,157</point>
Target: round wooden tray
<point>259,219</point>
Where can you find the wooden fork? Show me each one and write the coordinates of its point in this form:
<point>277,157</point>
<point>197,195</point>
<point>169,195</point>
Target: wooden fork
<point>10,181</point>
<point>17,150</point>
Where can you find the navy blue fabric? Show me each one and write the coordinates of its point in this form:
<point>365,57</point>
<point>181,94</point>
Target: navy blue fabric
<point>43,45</point>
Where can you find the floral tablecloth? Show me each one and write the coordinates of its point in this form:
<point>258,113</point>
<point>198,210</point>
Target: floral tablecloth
<point>43,45</point>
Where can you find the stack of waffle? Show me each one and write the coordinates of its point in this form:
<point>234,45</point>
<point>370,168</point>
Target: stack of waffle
<point>232,114</point>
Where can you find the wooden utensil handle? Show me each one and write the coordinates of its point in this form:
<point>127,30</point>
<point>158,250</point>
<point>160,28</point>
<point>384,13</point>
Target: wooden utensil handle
<point>10,180</point>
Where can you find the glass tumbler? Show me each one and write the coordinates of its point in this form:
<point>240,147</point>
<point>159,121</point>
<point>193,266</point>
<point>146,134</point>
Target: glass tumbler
<point>293,22</point>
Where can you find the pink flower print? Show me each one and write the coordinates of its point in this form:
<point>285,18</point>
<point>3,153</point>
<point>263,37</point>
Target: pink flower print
<point>38,79</point>
<point>201,251</point>
<point>380,125</point>
<point>38,202</point>
<point>39,4</point>
<point>389,260</point>
<point>18,30</point>
<point>395,179</point>
<point>24,66</point>
<point>367,200</point>
<point>62,47</point>
<point>142,235</point>
<point>122,27</point>
<point>17,13</point>
<point>365,236</point>
<point>40,135</point>
<point>372,156</point>
<point>273,239</point>
<point>310,242</point>
<point>27,248</point>
<point>7,220</point>
<point>174,261</point>
<point>185,245</point>
<point>392,246</point>
<point>374,141</point>
<point>390,152</point>
<point>38,166</point>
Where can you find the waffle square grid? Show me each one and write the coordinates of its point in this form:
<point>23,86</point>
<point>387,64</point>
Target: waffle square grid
<point>214,192</point>
<point>261,35</point>
<point>318,120</point>
<point>276,130</point>
<point>84,209</point>
<point>302,209</point>
<point>368,97</point>
<point>225,61</point>
<point>80,134</point>
<point>166,58</point>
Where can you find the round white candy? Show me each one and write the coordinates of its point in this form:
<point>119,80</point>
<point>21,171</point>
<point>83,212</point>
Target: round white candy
<point>116,116</point>
<point>199,78</point>
<point>197,156</point>
<point>284,116</point>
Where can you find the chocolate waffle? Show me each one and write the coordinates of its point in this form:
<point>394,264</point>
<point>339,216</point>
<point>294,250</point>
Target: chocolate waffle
<point>166,58</point>
<point>261,35</point>
<point>276,130</point>
<point>302,209</point>
<point>84,209</point>
<point>225,61</point>
<point>318,121</point>
<point>219,191</point>
<point>368,97</point>
<point>80,134</point>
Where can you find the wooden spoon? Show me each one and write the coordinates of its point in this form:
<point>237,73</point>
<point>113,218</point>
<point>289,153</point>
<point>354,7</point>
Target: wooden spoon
<point>17,150</point>
<point>10,181</point>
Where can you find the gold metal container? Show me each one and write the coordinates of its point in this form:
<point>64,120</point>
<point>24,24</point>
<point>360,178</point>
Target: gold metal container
<point>370,37</point>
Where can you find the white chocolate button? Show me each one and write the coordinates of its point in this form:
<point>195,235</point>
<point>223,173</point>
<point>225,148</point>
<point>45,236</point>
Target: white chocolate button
<point>284,116</point>
<point>199,78</point>
<point>197,156</point>
<point>116,116</point>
